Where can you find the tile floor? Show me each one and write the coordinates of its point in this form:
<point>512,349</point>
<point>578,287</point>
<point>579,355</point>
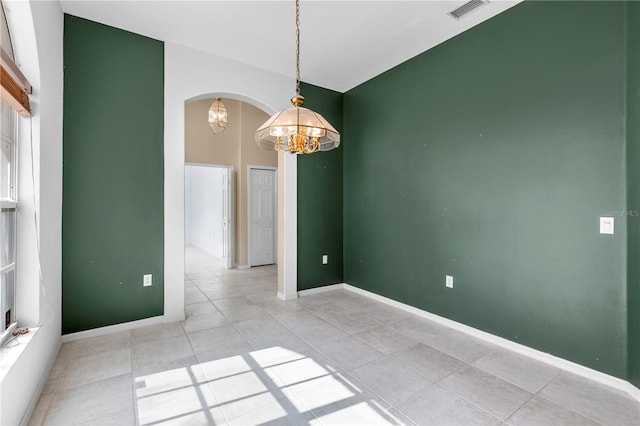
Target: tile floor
<point>244,357</point>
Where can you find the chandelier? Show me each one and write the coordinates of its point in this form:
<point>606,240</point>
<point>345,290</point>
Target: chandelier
<point>217,116</point>
<point>297,130</point>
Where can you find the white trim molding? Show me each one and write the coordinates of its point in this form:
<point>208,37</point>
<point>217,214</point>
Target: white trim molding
<point>235,265</point>
<point>110,329</point>
<point>323,289</point>
<point>547,358</point>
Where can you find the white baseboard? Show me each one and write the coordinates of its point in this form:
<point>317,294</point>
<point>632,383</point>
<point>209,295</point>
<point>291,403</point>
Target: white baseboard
<point>547,358</point>
<point>35,397</point>
<point>101,331</point>
<point>174,318</point>
<point>235,265</point>
<point>283,296</point>
<point>321,289</point>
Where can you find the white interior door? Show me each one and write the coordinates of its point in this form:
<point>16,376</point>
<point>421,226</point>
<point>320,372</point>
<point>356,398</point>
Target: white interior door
<point>227,218</point>
<point>262,216</point>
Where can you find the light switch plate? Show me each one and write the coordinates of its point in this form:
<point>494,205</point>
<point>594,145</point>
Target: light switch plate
<point>606,225</point>
<point>147,280</point>
<point>325,259</point>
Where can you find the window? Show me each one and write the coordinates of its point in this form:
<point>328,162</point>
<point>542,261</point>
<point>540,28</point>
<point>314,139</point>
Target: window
<point>9,206</point>
<point>14,91</point>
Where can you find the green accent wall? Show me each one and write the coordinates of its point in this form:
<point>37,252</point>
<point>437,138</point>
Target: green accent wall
<point>490,158</point>
<point>113,219</point>
<point>633,187</point>
<point>320,200</point>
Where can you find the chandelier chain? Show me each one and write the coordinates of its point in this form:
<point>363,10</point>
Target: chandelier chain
<point>298,47</point>
<point>297,130</point>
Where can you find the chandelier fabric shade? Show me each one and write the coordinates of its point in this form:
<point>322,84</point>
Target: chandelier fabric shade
<point>218,116</point>
<point>297,130</point>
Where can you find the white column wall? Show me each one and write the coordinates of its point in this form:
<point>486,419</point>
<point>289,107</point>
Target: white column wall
<point>38,41</point>
<point>189,75</point>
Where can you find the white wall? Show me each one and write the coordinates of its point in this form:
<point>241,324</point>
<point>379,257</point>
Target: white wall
<point>189,75</point>
<point>37,36</point>
<point>203,208</point>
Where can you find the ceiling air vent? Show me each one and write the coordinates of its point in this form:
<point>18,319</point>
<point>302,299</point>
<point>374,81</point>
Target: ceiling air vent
<point>466,8</point>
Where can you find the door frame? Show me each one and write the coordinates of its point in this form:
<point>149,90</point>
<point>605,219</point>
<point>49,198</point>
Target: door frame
<point>231,199</point>
<point>275,216</point>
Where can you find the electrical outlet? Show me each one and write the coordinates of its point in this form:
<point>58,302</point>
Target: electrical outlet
<point>448,281</point>
<point>147,280</point>
<point>606,225</point>
<point>325,259</point>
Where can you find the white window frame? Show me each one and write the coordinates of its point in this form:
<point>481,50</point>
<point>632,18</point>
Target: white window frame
<point>10,204</point>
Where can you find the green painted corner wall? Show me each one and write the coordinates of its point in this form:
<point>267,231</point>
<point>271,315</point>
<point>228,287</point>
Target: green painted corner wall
<point>320,207</point>
<point>113,215</point>
<point>633,188</point>
<point>491,158</point>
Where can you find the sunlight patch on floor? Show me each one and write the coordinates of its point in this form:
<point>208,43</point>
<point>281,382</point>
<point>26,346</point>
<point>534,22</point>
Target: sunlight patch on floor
<point>261,386</point>
<point>356,413</point>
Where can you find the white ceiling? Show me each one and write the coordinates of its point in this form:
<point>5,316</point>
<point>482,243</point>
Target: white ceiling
<point>343,43</point>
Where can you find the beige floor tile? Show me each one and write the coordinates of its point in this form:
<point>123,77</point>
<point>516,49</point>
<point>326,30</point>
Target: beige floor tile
<point>196,297</point>
<point>177,406</point>
<point>354,323</point>
<point>296,368</point>
<point>421,329</point>
<point>297,318</point>
<point>592,400</point>
<point>539,411</point>
<point>357,413</point>
<point>437,406</point>
<point>204,322</point>
<point>390,379</point>
<point>219,366</point>
<point>385,314</point>
<point>242,313</point>
<point>520,370</point>
<point>232,302</point>
<point>276,413</point>
<point>386,339</point>
<point>215,295</point>
<point>281,341</point>
<point>330,393</point>
<point>493,395</point>
<point>94,400</point>
<point>431,363</point>
<point>165,377</point>
<point>92,345</point>
<point>156,332</point>
<point>331,310</point>
<point>124,416</point>
<point>239,350</point>
<point>215,338</point>
<point>200,308</point>
<point>349,353</point>
<point>95,367</point>
<point>152,352</point>
<point>318,334</point>
<point>460,345</point>
<point>241,393</point>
